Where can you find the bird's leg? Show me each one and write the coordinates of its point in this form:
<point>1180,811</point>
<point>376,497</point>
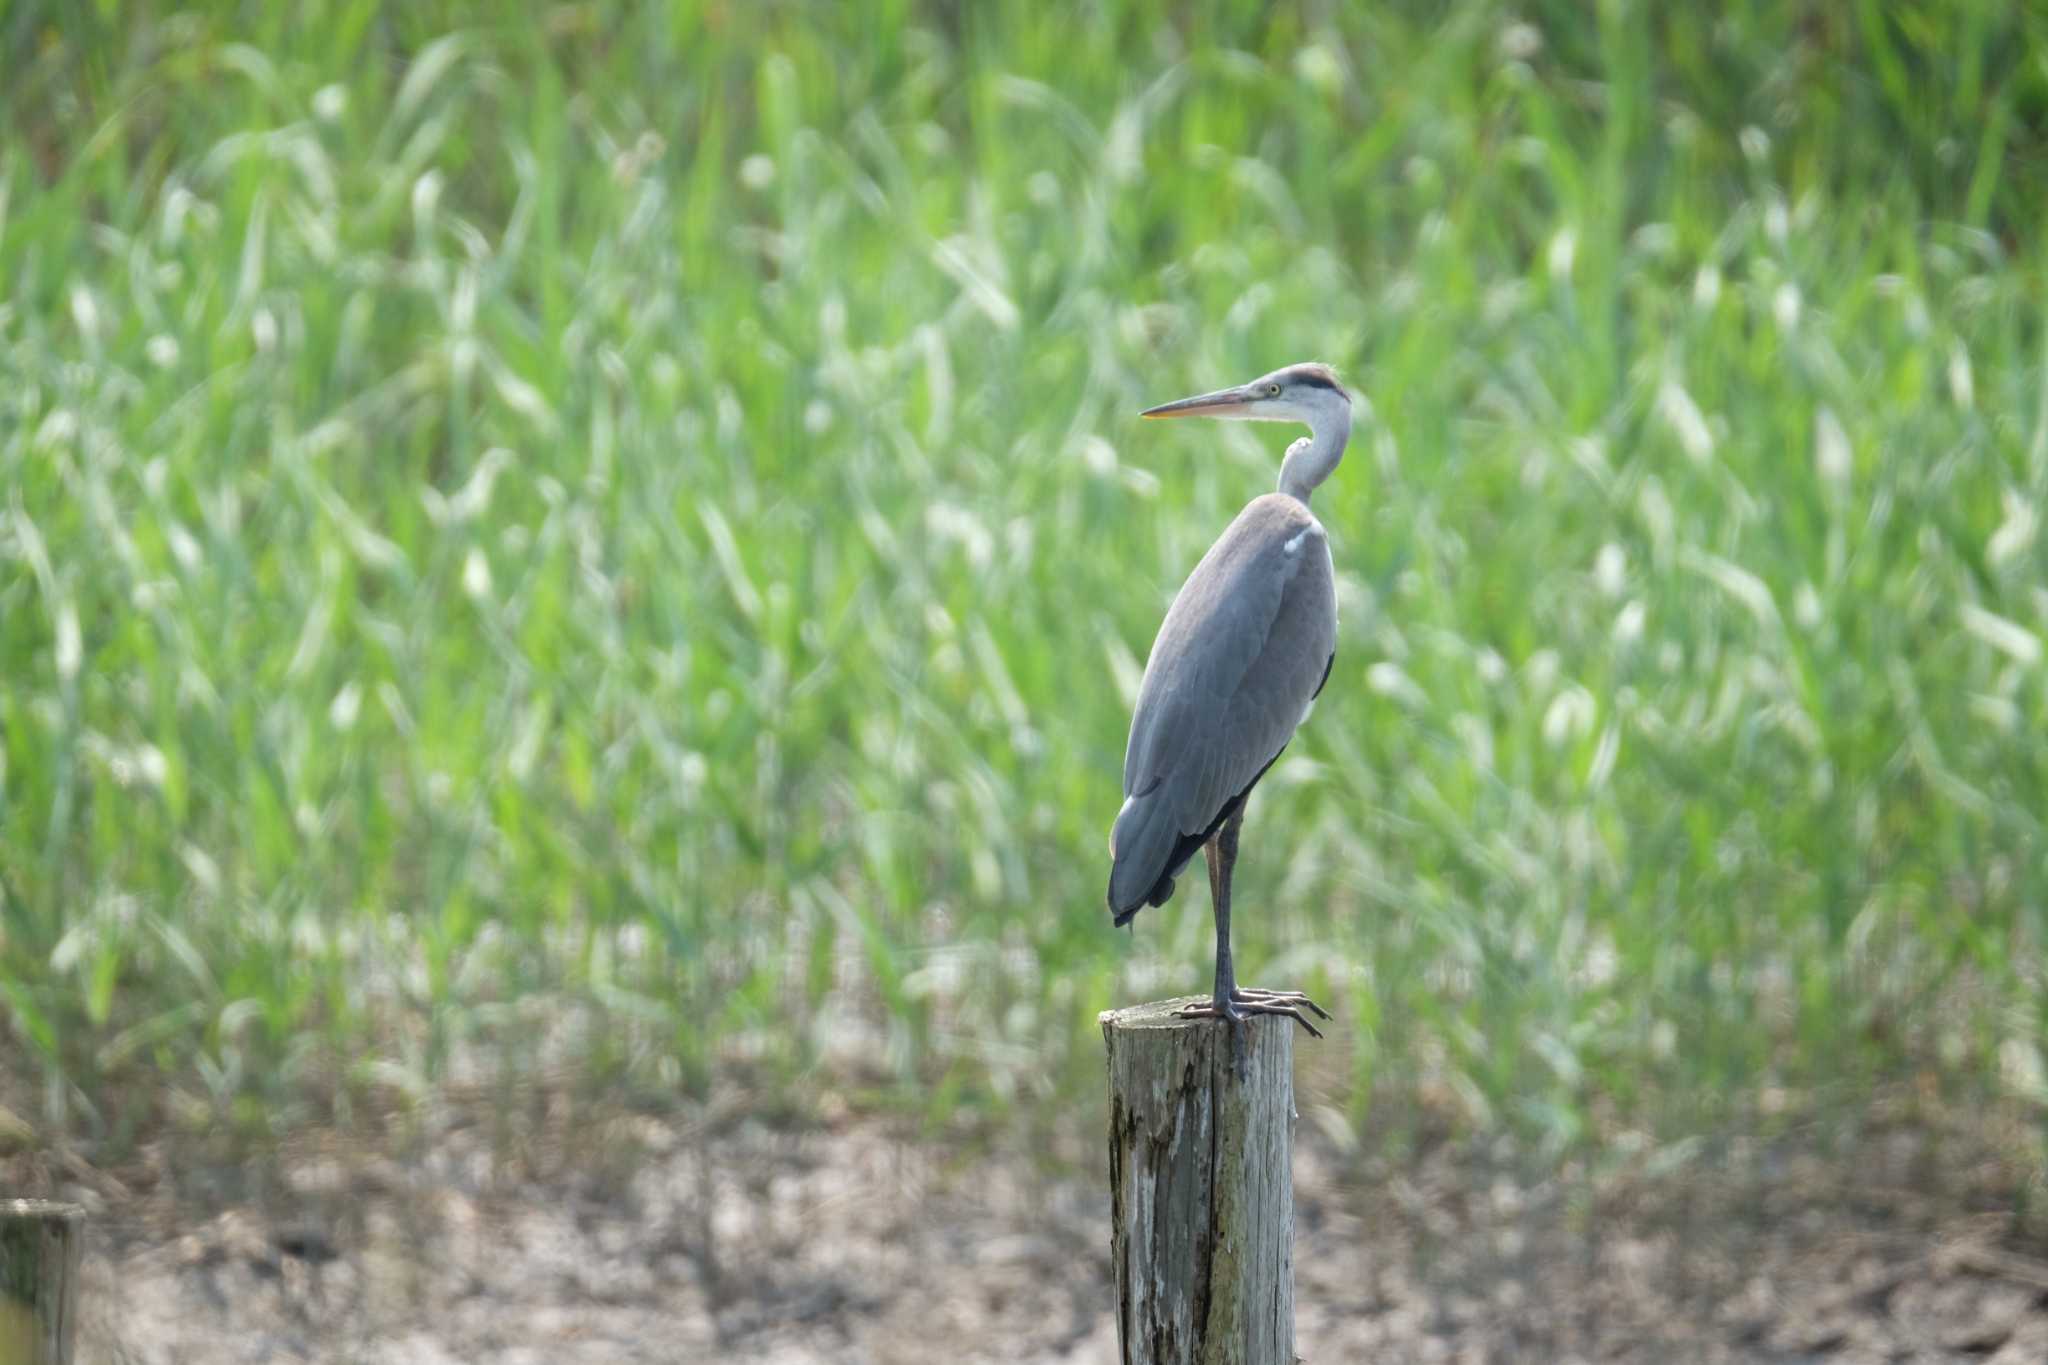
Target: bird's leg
<point>1247,998</point>
<point>1232,1002</point>
<point>1226,974</point>
<point>1219,901</point>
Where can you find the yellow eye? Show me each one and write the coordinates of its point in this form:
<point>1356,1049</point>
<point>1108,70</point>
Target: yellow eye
<point>1272,390</point>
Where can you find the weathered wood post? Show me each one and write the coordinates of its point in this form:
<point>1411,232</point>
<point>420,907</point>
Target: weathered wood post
<point>39,1249</point>
<point>1201,1182</point>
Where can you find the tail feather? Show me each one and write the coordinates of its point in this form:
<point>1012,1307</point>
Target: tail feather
<point>1147,849</point>
<point>1142,843</point>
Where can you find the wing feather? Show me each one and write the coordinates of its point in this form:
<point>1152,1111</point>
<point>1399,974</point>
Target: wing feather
<point>1239,657</point>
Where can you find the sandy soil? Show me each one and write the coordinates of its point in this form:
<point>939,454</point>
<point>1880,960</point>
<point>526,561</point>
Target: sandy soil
<point>635,1239</point>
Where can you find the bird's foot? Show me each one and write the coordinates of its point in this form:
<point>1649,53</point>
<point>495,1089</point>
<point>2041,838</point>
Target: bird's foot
<point>1246,1000</point>
<point>1246,995</point>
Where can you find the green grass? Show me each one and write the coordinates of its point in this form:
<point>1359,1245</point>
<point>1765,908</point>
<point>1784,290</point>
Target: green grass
<point>618,547</point>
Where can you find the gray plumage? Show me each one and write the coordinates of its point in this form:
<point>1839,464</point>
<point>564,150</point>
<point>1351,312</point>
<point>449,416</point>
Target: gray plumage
<point>1242,652</point>
<point>1244,649</point>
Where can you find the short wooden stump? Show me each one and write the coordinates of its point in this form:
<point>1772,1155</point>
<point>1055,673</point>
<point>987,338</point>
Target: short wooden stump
<point>1201,1175</point>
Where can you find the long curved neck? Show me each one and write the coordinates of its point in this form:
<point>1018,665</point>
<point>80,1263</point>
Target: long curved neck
<point>1310,461</point>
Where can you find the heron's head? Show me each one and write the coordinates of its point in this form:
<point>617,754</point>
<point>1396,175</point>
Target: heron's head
<point>1307,392</point>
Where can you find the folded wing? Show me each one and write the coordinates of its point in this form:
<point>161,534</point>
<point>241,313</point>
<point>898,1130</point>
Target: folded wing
<point>1242,652</point>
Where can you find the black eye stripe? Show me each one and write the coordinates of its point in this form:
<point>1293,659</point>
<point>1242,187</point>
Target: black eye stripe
<point>1314,381</point>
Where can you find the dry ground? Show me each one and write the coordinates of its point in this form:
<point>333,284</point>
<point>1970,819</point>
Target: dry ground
<point>630,1239</point>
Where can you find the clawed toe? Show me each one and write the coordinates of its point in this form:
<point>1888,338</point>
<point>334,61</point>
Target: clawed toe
<point>1291,1012</point>
<point>1252,995</point>
<point>1248,1001</point>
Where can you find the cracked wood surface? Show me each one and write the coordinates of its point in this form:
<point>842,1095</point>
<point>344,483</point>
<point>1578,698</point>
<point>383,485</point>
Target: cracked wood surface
<point>1201,1188</point>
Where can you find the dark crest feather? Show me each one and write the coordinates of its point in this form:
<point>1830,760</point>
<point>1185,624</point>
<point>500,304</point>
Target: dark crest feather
<point>1315,375</point>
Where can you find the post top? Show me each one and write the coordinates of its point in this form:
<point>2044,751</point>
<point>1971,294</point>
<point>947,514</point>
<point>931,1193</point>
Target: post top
<point>1159,1014</point>
<point>40,1208</point>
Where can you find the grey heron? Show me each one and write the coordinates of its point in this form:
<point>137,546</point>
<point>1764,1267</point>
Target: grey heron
<point>1245,648</point>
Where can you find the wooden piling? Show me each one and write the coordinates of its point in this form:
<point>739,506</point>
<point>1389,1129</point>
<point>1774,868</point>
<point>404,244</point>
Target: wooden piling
<point>1201,1188</point>
<point>39,1251</point>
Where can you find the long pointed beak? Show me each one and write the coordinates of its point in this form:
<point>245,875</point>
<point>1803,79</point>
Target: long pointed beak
<point>1202,404</point>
